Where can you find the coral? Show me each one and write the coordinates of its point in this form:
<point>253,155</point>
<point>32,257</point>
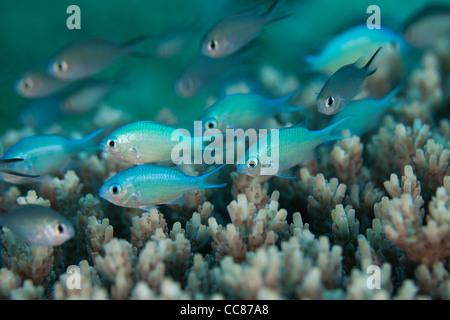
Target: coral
<point>98,234</point>
<point>347,159</point>
<point>250,228</point>
<point>433,280</point>
<point>144,227</point>
<point>65,193</point>
<point>32,198</point>
<point>89,285</point>
<point>322,197</point>
<point>117,267</point>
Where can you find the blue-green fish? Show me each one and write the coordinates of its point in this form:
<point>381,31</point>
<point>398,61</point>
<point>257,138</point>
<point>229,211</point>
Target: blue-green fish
<point>46,154</point>
<point>83,58</point>
<point>280,150</point>
<point>366,114</point>
<point>38,225</point>
<point>245,110</point>
<point>147,142</point>
<point>343,86</point>
<point>428,27</point>
<point>145,186</point>
<point>234,32</point>
<point>10,166</point>
<point>352,44</point>
<point>42,112</point>
<point>37,83</point>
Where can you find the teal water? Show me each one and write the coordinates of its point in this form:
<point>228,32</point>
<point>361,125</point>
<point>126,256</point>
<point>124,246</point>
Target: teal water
<point>31,30</point>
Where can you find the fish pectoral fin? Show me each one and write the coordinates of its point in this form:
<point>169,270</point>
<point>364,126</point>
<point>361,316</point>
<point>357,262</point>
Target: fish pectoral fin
<point>134,151</point>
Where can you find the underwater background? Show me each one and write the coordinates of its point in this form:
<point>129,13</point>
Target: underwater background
<point>379,198</point>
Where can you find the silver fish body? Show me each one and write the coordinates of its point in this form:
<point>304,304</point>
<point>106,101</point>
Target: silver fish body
<point>37,83</point>
<point>38,225</point>
<point>232,33</point>
<point>428,27</point>
<point>343,86</point>
<point>83,58</point>
<point>148,185</point>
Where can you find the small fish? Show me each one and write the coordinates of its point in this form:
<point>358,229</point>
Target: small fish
<point>145,186</point>
<point>9,166</point>
<point>87,96</point>
<point>37,83</point>
<point>143,142</point>
<point>352,44</point>
<point>293,146</point>
<point>234,32</point>
<point>245,110</point>
<point>366,114</point>
<point>43,112</point>
<point>46,154</point>
<point>38,225</point>
<point>200,72</point>
<point>83,58</point>
<point>172,41</point>
<point>429,26</point>
<point>343,86</point>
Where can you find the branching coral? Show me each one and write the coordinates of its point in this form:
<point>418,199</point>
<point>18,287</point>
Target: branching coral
<point>323,196</point>
<point>250,227</point>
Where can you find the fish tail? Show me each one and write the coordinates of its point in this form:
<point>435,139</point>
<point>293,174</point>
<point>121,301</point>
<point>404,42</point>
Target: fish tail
<point>391,95</point>
<point>370,61</point>
<point>129,46</point>
<point>330,131</point>
<point>270,13</point>
<point>281,103</point>
<point>204,184</point>
<point>90,141</point>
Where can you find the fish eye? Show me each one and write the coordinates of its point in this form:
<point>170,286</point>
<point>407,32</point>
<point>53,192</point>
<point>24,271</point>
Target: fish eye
<point>330,101</point>
<point>187,83</point>
<point>60,66</point>
<point>213,45</point>
<point>252,163</point>
<point>60,228</point>
<point>115,189</point>
<point>211,124</point>
<point>111,143</point>
<point>26,84</point>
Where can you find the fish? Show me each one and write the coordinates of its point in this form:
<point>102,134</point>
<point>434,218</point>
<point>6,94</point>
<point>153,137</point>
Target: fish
<point>148,185</point>
<point>9,166</point>
<point>245,110</point>
<point>428,27</point>
<point>146,142</point>
<point>201,71</point>
<point>278,151</point>
<point>38,225</point>
<point>43,112</point>
<point>37,83</point>
<point>352,44</point>
<point>172,41</point>
<point>234,32</point>
<point>86,57</point>
<point>46,154</point>
<point>87,96</point>
<point>366,113</point>
<point>343,86</point>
